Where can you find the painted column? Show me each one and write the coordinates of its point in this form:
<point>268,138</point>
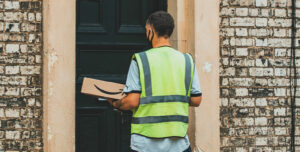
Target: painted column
<point>207,62</point>
<point>59,75</point>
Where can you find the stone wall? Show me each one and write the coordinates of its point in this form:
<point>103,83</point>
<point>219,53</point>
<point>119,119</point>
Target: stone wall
<point>255,41</point>
<point>20,75</point>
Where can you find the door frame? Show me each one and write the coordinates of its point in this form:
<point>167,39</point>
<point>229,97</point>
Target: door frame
<point>59,70</point>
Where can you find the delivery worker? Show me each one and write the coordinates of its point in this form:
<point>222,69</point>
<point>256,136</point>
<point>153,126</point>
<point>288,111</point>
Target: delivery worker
<point>161,85</point>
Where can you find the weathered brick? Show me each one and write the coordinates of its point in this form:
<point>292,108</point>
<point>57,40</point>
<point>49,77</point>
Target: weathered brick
<point>12,27</point>
<point>12,112</point>
<point>27,70</point>
<point>12,5</point>
<point>280,13</point>
<point>260,3</point>
<point>280,112</point>
<point>261,121</point>
<point>242,21</point>
<point>12,48</point>
<point>12,69</point>
<point>261,22</point>
<point>241,11</point>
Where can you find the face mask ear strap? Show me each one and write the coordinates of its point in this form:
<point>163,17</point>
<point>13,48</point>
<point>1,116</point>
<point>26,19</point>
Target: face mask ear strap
<point>152,35</point>
<point>148,35</point>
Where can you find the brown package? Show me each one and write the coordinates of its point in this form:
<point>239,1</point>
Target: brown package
<point>104,89</point>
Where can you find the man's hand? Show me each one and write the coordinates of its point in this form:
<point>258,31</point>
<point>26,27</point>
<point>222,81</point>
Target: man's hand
<point>110,101</point>
<point>131,101</point>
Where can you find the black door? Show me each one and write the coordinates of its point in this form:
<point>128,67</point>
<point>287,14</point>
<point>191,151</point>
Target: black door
<point>108,33</point>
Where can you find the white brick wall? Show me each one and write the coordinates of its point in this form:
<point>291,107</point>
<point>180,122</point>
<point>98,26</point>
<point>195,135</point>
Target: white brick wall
<point>255,41</point>
<point>20,75</point>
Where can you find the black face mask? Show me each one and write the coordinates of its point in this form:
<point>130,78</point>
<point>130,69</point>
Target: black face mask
<point>149,46</point>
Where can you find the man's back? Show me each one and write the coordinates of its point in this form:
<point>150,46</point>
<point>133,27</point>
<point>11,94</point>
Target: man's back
<point>133,84</point>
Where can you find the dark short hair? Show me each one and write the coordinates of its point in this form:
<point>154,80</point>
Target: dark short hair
<point>162,22</point>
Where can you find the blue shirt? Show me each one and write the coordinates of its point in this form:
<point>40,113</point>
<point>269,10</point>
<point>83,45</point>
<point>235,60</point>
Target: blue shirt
<point>144,144</point>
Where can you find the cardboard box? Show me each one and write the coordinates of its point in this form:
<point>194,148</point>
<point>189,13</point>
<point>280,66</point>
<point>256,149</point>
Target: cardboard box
<point>103,89</point>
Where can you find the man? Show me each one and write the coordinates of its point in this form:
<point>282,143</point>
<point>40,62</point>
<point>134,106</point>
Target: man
<point>161,84</point>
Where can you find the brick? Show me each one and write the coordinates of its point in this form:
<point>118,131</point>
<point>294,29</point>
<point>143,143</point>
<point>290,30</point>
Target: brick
<point>12,48</point>
<point>253,11</point>
<point>258,131</point>
<point>261,121</point>
<point>12,69</point>
<point>279,32</point>
<point>261,3</point>
<point>261,42</point>
<point>260,32</point>
<point>279,42</point>
<point>280,13</point>
<point>31,17</point>
<point>280,112</point>
<point>261,22</point>
<point>261,102</point>
<point>29,70</point>
<point>227,72</point>
<point>241,51</point>
<point>241,91</point>
<point>242,22</point>
<point>23,48</point>
<point>224,102</point>
<point>12,113</point>
<point>261,62</point>
<point>241,11</point>
<point>266,13</point>
<point>227,32</point>
<point>12,27</point>
<point>241,81</point>
<point>12,5</point>
<point>279,3</point>
<point>241,32</point>
<point>12,91</point>
<point>227,12</point>
<point>280,91</point>
<point>279,22</point>
<point>280,52</point>
<point>280,131</point>
<point>243,102</point>
<point>12,16</point>
<point>280,72</point>
<point>38,17</point>
<point>261,141</point>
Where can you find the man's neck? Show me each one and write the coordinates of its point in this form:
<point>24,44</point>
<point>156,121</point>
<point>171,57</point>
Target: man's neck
<point>161,41</point>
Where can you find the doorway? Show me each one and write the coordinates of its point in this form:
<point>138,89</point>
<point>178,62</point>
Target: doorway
<point>108,33</point>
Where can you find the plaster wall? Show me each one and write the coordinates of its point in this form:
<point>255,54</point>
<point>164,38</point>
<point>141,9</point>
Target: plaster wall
<point>207,61</point>
<point>197,32</point>
<point>59,76</point>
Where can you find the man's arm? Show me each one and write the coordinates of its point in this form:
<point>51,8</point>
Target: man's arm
<point>131,101</point>
<point>196,93</point>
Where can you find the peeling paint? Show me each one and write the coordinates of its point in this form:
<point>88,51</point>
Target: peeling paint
<point>49,133</point>
<point>207,67</point>
<point>198,149</point>
<point>50,90</point>
<point>52,60</point>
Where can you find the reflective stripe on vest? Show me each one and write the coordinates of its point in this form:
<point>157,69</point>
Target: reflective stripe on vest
<point>158,119</point>
<point>148,85</point>
<point>163,112</point>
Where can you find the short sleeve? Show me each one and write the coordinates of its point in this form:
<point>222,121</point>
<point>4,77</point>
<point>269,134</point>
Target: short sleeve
<point>133,84</point>
<point>196,89</point>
